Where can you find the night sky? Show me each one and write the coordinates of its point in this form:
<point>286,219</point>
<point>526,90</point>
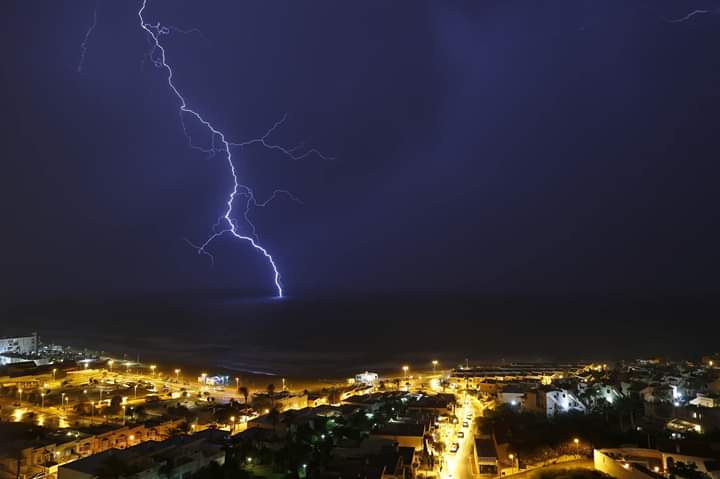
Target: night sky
<point>480,146</point>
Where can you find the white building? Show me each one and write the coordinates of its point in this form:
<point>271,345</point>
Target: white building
<point>367,378</point>
<point>705,401</point>
<point>19,345</point>
<point>553,401</point>
<point>639,463</point>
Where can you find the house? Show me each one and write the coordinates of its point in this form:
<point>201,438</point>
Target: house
<point>486,457</point>
<point>50,449</point>
<point>404,434</point>
<point>640,463</point>
<point>550,401</point>
<point>179,456</point>
<point>282,401</point>
<point>702,400</point>
<point>512,394</point>
<point>437,404</point>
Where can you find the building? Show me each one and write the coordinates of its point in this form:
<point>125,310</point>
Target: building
<point>176,457</point>
<point>282,401</point>
<point>553,401</point>
<point>41,456</point>
<point>438,404</point>
<point>19,345</point>
<point>367,378</point>
<point>638,463</point>
<point>545,373</point>
<point>486,457</point>
<point>403,434</point>
<point>512,394</point>
<point>702,400</point>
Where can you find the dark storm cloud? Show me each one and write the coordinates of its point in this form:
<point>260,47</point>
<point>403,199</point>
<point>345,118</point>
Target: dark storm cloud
<point>480,146</point>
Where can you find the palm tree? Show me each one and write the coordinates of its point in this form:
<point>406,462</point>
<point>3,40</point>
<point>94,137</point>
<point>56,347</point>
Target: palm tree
<point>271,393</point>
<point>274,418</point>
<point>397,383</point>
<point>244,392</point>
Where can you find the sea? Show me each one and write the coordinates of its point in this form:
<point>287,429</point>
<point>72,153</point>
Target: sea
<point>330,337</point>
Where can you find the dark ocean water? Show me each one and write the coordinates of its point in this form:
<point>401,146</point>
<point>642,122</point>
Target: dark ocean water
<point>335,337</point>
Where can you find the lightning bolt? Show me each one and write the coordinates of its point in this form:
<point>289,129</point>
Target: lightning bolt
<point>689,16</point>
<point>83,45</point>
<point>219,143</point>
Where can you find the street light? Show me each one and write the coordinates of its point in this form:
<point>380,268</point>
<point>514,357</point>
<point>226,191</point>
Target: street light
<point>136,391</point>
<point>434,363</point>
<point>204,378</point>
<point>62,400</point>
<point>577,446</point>
<point>405,370</point>
<point>152,368</point>
<point>237,384</point>
<point>110,364</point>
<point>42,400</point>
<point>54,371</point>
<point>20,393</point>
<point>177,375</point>
<point>232,428</point>
<point>92,408</point>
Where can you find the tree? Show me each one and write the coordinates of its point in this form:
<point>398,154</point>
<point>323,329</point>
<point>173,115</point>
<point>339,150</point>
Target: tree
<point>334,396</point>
<point>274,416</point>
<point>271,393</point>
<point>397,383</point>
<point>686,471</point>
<point>244,393</point>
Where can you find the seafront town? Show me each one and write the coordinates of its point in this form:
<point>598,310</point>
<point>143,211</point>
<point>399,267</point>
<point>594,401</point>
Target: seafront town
<point>66,413</point>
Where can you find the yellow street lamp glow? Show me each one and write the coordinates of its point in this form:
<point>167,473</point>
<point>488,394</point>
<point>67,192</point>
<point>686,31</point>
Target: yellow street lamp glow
<point>232,418</point>
<point>511,456</point>
<point>576,441</point>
